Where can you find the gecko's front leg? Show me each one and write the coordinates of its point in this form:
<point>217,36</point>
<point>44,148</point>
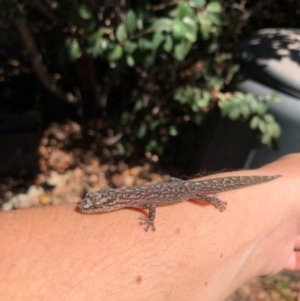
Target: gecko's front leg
<point>149,221</point>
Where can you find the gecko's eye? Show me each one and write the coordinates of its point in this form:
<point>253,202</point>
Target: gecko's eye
<point>97,204</point>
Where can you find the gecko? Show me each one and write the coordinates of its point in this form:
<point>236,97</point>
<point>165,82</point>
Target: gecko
<point>165,193</point>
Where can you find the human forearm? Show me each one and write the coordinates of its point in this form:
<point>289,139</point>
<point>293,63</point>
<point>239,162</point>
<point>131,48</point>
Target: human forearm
<point>196,252</point>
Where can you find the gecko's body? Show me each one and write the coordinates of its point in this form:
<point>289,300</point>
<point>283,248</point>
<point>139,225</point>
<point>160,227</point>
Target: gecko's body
<point>165,193</point>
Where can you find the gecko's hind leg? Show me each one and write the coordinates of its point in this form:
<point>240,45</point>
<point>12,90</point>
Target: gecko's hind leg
<point>221,205</point>
<point>149,221</point>
<point>144,220</point>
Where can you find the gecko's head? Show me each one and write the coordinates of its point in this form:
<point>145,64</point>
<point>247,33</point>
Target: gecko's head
<point>98,201</point>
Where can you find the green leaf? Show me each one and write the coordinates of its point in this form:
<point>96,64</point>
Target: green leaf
<point>131,21</point>
<point>254,122</point>
<point>164,24</point>
<point>97,50</point>
<point>130,46</point>
<point>204,100</point>
<point>261,108</point>
<point>205,25</point>
<point>148,59</point>
<point>125,116</point>
<point>235,68</point>
<point>121,33</point>
<point>112,65</point>
<point>214,7</point>
<point>158,38</point>
<point>191,32</point>
<point>212,47</point>
<point>142,131</point>
<point>143,44</point>
<point>140,24</point>
<point>245,110</point>
<point>262,126</point>
<point>130,61</point>
<point>266,139</point>
<point>138,105</point>
<point>154,124</point>
<point>234,113</point>
<point>114,54</point>
<point>168,45</point>
<point>147,44</point>
<point>74,51</point>
<point>184,10</point>
<point>197,3</point>
<point>182,49</point>
<point>85,11</point>
<point>215,19</point>
<point>152,145</point>
<point>173,131</point>
<point>98,34</point>
<point>121,149</point>
<point>269,118</point>
<point>179,31</point>
<point>276,130</point>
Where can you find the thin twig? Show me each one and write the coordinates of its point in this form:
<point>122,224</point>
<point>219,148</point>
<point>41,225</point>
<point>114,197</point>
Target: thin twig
<point>38,65</point>
<point>47,12</point>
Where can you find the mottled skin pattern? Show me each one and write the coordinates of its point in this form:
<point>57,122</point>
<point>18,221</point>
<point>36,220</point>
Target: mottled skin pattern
<point>165,193</point>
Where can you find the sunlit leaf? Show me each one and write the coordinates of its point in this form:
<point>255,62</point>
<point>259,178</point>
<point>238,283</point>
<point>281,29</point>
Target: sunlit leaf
<point>215,19</point>
<point>142,131</point>
<point>131,21</point>
<point>121,33</point>
<point>130,46</point>
<point>254,122</point>
<point>97,34</point>
<point>165,24</point>
<point>245,110</point>
<point>184,10</point>
<point>205,25</point>
<point>130,61</point>
<point>148,59</point>
<point>74,51</point>
<point>191,32</point>
<point>197,3</point>
<point>97,50</point>
<point>182,49</point>
<point>214,7</point>
<point>158,38</point>
<point>179,31</point>
<point>85,11</point>
<point>168,45</point>
<point>138,105</point>
<point>173,131</point>
<point>115,53</point>
<point>140,24</point>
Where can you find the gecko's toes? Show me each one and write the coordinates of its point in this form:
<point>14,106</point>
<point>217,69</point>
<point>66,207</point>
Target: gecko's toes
<point>146,221</point>
<point>223,207</point>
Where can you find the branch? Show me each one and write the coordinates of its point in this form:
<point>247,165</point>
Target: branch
<point>46,11</point>
<point>249,13</point>
<point>38,66</point>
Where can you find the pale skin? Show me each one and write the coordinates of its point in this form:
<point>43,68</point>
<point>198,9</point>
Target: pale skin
<point>196,253</point>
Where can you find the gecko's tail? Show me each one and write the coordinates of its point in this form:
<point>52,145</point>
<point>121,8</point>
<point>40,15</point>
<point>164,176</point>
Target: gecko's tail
<point>229,183</point>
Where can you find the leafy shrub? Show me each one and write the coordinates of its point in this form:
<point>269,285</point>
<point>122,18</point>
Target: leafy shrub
<point>138,71</point>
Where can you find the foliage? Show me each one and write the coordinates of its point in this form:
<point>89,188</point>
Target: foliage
<point>141,69</point>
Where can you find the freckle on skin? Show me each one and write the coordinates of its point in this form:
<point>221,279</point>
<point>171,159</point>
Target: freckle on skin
<point>177,231</point>
<point>206,283</point>
<point>138,279</point>
<point>221,256</point>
